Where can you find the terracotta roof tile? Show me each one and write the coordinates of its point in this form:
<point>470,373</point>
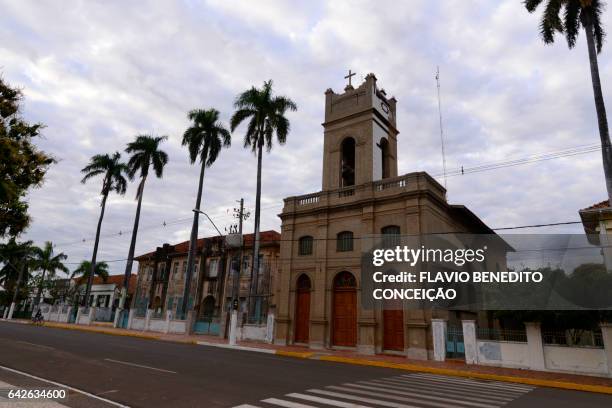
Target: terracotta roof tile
<point>603,204</point>
<point>266,237</point>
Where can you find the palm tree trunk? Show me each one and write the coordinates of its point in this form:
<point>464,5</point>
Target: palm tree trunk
<point>40,288</point>
<point>193,242</point>
<point>130,260</point>
<point>255,262</point>
<point>95,252</point>
<point>602,121</point>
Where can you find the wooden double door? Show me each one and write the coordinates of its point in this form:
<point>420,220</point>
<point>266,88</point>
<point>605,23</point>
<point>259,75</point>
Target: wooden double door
<point>302,313</point>
<point>393,330</point>
<point>344,325</point>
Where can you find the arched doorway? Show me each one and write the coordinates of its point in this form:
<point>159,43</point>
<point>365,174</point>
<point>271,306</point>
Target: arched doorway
<point>208,307</point>
<point>302,309</point>
<point>344,324</point>
<point>384,158</point>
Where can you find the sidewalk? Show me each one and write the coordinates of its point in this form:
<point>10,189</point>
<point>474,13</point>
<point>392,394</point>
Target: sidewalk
<point>452,367</point>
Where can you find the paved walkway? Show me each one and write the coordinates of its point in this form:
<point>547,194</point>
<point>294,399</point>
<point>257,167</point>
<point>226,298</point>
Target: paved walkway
<point>450,367</point>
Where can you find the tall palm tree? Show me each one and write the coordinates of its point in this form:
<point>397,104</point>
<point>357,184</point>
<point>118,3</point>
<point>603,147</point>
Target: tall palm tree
<point>145,152</point>
<point>266,115</point>
<point>47,262</point>
<point>113,171</point>
<point>566,17</point>
<point>204,139</point>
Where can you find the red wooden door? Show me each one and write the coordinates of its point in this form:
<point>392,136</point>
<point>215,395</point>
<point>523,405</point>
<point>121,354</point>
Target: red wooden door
<point>393,330</point>
<point>302,316</point>
<point>345,318</point>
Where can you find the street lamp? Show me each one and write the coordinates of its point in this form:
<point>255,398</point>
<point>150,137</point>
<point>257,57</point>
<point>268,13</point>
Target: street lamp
<point>209,219</point>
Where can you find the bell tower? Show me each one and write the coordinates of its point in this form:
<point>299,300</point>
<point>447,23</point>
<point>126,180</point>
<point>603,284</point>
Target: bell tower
<point>360,135</point>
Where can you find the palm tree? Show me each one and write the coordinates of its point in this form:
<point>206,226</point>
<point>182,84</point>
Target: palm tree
<point>204,139</point>
<point>574,14</point>
<point>46,261</point>
<point>145,152</point>
<point>267,117</point>
<point>83,272</point>
<point>113,170</point>
<point>16,260</point>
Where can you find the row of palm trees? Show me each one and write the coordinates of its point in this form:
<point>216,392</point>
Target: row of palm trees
<point>204,139</point>
<point>21,259</point>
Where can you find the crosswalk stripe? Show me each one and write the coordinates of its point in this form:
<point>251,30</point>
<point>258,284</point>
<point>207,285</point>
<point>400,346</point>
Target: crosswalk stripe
<point>449,387</point>
<point>431,397</point>
<point>326,401</point>
<point>413,399</point>
<point>287,404</point>
<point>435,391</point>
<point>246,406</point>
<point>361,399</point>
<point>469,381</point>
<point>475,386</point>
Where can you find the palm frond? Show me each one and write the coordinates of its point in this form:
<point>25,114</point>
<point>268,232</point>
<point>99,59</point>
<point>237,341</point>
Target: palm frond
<point>571,22</point>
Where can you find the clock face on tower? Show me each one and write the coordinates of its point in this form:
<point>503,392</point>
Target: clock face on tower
<point>384,107</point>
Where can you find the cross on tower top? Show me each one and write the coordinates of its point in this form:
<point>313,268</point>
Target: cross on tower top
<point>350,74</point>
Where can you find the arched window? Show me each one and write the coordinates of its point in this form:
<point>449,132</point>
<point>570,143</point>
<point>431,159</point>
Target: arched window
<point>303,283</point>
<point>347,164</point>
<point>305,245</point>
<point>384,159</point>
<point>344,241</point>
<point>391,236</point>
<point>345,280</point>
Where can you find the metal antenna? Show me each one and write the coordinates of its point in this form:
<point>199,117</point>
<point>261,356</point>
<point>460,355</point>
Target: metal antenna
<point>441,128</point>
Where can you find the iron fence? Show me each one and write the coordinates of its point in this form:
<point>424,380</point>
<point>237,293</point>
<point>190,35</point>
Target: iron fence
<point>573,338</point>
<point>484,333</point>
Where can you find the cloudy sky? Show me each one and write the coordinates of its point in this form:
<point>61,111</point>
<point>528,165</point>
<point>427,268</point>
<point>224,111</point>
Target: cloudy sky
<point>99,72</point>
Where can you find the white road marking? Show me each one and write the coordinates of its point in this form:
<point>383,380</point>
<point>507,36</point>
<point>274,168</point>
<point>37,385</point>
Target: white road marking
<point>326,401</point>
<point>35,345</point>
<point>246,406</point>
<point>414,399</point>
<point>496,384</point>
<point>405,391</point>
<point>116,404</point>
<point>431,397</point>
<point>139,365</point>
<point>423,389</point>
<point>473,387</point>
<point>287,404</point>
<point>361,399</point>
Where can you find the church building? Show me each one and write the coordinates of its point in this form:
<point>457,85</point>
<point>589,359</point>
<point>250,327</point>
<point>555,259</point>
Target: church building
<point>318,295</point>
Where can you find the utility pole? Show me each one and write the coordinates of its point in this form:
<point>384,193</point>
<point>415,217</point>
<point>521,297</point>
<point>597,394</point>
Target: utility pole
<point>441,129</point>
<point>241,215</point>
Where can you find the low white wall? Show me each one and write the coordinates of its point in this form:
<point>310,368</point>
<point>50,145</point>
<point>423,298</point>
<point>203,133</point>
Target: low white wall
<point>157,325</point>
<point>138,323</point>
<point>503,353</point>
<point>253,332</point>
<point>177,326</point>
<point>83,319</point>
<point>584,360</point>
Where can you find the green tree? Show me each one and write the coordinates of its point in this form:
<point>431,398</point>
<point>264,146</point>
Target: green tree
<point>16,261</point>
<point>566,17</point>
<point>145,153</point>
<point>113,171</point>
<point>204,139</point>
<point>47,262</point>
<point>22,164</point>
<point>265,113</point>
<point>83,272</point>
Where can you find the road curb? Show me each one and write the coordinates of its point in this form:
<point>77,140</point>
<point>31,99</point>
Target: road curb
<point>102,331</point>
<point>600,389</point>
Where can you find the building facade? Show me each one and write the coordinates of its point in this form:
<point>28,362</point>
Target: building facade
<point>161,281</point>
<point>319,291</point>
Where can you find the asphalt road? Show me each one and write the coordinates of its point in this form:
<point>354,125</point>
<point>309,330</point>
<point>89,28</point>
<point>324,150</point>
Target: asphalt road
<point>147,373</point>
